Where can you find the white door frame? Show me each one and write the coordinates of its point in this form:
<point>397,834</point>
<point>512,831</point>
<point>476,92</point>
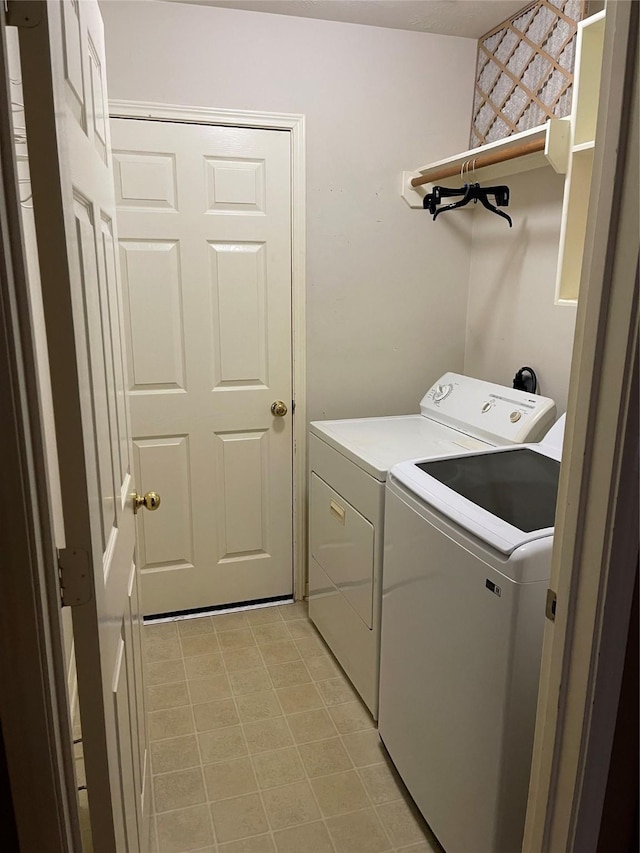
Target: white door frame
<point>295,124</point>
<point>596,544</point>
<point>33,699</point>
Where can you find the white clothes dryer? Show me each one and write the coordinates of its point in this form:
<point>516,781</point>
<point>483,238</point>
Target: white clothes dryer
<point>349,462</point>
<point>468,543</point>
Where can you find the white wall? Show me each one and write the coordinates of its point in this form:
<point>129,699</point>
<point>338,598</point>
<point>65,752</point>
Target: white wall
<point>386,290</point>
<point>512,320</point>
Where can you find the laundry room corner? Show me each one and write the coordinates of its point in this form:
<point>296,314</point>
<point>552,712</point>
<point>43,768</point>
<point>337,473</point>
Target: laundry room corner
<point>513,318</point>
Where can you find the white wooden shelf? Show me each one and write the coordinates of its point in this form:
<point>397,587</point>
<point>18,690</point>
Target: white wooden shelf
<point>568,148</point>
<point>577,186</point>
<point>555,134</point>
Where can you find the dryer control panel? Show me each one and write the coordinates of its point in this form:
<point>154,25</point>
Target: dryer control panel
<point>487,411</point>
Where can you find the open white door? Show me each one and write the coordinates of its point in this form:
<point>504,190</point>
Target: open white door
<point>64,79</point>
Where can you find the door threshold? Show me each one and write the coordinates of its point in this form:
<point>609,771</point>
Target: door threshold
<point>237,607</point>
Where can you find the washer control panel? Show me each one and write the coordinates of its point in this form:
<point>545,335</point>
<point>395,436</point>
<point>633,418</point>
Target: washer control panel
<point>488,411</point>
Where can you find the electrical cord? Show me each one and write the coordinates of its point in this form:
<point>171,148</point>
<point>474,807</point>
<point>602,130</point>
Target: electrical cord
<point>526,383</point>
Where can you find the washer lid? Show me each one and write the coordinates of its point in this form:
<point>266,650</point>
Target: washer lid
<point>377,444</point>
<point>505,497</point>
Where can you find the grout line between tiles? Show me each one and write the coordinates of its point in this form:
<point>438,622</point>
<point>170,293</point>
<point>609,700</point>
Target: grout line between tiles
<point>244,738</point>
<point>204,782</point>
<point>306,775</point>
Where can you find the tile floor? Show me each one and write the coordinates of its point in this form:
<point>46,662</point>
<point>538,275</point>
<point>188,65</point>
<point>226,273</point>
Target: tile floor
<point>260,745</point>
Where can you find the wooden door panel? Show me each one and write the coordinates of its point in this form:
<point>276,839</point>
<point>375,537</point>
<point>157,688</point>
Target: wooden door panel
<point>242,490</point>
<point>73,65</point>
<point>205,229</point>
<point>153,284</point>
<point>112,312</point>
<point>165,543</point>
<point>145,180</point>
<point>239,309</point>
<point>235,186</point>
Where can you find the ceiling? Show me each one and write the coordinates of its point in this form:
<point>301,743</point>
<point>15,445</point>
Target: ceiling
<point>468,18</point>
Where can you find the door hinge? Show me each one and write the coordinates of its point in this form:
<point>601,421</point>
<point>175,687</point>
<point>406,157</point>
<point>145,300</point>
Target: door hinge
<point>23,13</point>
<point>550,609</point>
<point>75,576</point>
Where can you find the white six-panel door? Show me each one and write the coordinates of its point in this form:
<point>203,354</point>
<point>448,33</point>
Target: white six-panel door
<point>64,79</point>
<point>204,220</point>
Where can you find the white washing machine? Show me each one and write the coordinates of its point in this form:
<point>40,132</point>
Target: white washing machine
<point>349,462</point>
<point>468,543</point>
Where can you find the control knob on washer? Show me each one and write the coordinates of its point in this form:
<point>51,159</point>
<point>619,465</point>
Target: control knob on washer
<point>441,392</point>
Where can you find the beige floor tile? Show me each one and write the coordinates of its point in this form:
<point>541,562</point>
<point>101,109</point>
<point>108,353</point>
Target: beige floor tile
<point>288,674</point>
<point>271,633</point>
<point>164,672</point>
<point>263,616</point>
<point>422,847</point>
<point>358,832</point>
<point>311,725</point>
<point>249,681</point>
<point>322,667</point>
<point>185,829</point>
<point>209,689</point>
<point>171,722</point>
<point>241,638</point>
<point>178,789</point>
<point>403,824</point>
<point>204,665</point>
<point>174,754</point>
<point>236,659</point>
<point>192,627</point>
<point>278,768</point>
<point>238,817</point>
<point>297,610</point>
<point>164,696</point>
<point>257,844</point>
<point>280,652</point>
<point>159,631</point>
<point>229,621</point>
<point>81,773</point>
<point>300,697</point>
<point>324,756</point>
<point>267,735</point>
<point>222,744</point>
<point>258,706</point>
<point>307,838</point>
<point>310,647</point>
<point>340,793</point>
<point>215,715</point>
<point>336,691</point>
<point>382,783</point>
<point>351,717</point>
<point>153,838</point>
<point>290,805</point>
<point>301,629</point>
<point>200,644</point>
<point>229,779</point>
<point>364,748</point>
<point>162,649</point>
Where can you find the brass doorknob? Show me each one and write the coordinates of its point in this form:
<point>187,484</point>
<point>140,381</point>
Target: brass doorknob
<point>149,501</point>
<point>279,408</point>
